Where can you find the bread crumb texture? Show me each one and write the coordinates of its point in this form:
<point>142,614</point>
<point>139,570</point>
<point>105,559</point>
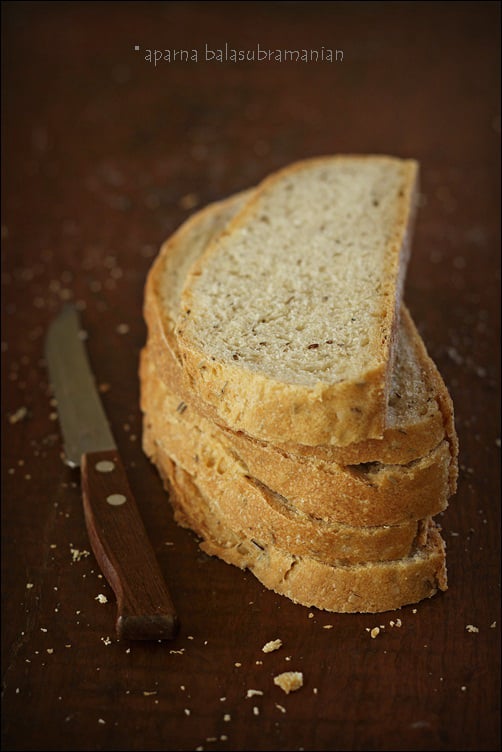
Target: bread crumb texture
<point>253,297</point>
<point>289,681</point>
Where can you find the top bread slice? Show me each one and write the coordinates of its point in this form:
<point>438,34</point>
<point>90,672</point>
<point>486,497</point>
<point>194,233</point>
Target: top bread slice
<point>289,316</point>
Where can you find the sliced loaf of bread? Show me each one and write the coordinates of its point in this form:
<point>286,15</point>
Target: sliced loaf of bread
<point>289,316</point>
<point>329,499</point>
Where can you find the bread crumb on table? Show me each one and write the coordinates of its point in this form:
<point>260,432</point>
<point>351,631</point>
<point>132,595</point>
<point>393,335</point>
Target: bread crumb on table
<point>253,693</point>
<point>289,681</point>
<point>471,628</point>
<point>19,415</point>
<point>78,555</point>
<point>271,646</point>
<point>375,631</point>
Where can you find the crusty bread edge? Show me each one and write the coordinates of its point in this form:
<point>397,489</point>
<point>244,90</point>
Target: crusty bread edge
<point>255,510</point>
<point>330,492</point>
<point>375,588</point>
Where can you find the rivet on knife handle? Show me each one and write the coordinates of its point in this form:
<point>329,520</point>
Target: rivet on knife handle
<point>144,607</point>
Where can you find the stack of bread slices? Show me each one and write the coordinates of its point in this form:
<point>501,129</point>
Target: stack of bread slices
<point>289,403</point>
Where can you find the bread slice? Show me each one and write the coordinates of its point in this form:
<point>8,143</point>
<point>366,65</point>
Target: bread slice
<point>359,495</point>
<point>419,408</point>
<point>370,587</point>
<point>289,317</point>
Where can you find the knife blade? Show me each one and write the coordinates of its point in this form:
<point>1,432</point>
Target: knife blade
<point>118,538</point>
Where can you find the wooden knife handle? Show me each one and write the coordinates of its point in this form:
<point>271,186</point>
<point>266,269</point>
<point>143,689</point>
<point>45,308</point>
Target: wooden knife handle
<point>124,553</point>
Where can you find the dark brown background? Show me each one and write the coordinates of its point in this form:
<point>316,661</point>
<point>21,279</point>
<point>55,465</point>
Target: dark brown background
<point>99,150</point>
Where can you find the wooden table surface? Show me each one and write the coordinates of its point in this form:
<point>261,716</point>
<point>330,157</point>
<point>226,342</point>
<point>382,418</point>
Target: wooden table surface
<point>104,155</point>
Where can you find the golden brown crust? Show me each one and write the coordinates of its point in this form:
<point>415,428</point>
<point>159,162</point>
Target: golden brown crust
<point>256,511</point>
<point>371,588</point>
<point>358,495</point>
<point>269,410</point>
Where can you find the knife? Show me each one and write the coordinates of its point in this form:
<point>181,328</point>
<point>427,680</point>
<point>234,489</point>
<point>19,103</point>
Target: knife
<point>117,535</point>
